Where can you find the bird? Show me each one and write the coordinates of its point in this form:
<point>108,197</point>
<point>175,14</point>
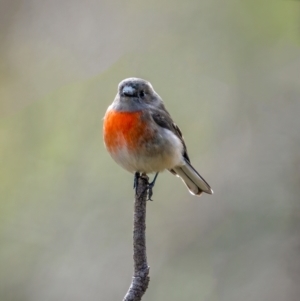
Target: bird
<point>141,136</point>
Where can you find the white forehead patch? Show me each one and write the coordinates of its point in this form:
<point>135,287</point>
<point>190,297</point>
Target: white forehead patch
<point>128,90</point>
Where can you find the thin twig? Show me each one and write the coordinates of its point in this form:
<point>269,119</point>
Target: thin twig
<point>140,278</point>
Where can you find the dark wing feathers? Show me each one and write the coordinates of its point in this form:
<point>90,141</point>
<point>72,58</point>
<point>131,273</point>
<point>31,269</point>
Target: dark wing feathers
<point>163,119</point>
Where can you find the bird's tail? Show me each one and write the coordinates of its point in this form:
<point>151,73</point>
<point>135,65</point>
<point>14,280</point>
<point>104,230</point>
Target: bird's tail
<point>191,178</point>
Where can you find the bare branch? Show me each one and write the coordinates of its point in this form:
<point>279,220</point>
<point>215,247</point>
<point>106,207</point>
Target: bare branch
<point>140,278</point>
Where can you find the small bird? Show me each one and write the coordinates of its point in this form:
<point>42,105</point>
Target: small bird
<point>141,136</point>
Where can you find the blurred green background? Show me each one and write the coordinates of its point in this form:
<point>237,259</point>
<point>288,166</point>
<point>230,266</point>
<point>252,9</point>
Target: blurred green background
<point>229,73</point>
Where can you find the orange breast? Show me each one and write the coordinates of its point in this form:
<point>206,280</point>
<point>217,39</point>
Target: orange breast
<point>125,128</point>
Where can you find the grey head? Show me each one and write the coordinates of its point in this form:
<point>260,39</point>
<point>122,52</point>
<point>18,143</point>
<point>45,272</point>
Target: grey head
<point>136,94</point>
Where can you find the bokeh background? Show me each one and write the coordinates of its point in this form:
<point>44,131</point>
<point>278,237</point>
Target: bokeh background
<point>229,73</point>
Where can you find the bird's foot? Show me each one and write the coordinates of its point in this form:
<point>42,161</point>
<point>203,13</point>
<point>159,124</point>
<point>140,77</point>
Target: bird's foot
<point>136,181</point>
<point>148,189</point>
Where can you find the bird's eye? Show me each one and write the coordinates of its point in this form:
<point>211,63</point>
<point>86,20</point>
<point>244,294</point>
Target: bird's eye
<point>142,94</point>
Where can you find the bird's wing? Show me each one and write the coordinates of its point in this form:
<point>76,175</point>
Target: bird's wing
<point>195,183</point>
<point>163,119</point>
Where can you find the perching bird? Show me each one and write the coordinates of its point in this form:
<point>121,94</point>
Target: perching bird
<point>142,137</point>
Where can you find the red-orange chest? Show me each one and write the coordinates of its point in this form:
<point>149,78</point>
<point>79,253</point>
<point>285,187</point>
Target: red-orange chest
<point>125,129</point>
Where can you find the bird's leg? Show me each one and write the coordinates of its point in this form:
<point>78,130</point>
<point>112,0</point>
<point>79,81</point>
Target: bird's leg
<point>136,181</point>
<point>150,187</point>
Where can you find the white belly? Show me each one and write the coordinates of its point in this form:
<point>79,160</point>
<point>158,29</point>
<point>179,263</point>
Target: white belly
<point>163,153</point>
